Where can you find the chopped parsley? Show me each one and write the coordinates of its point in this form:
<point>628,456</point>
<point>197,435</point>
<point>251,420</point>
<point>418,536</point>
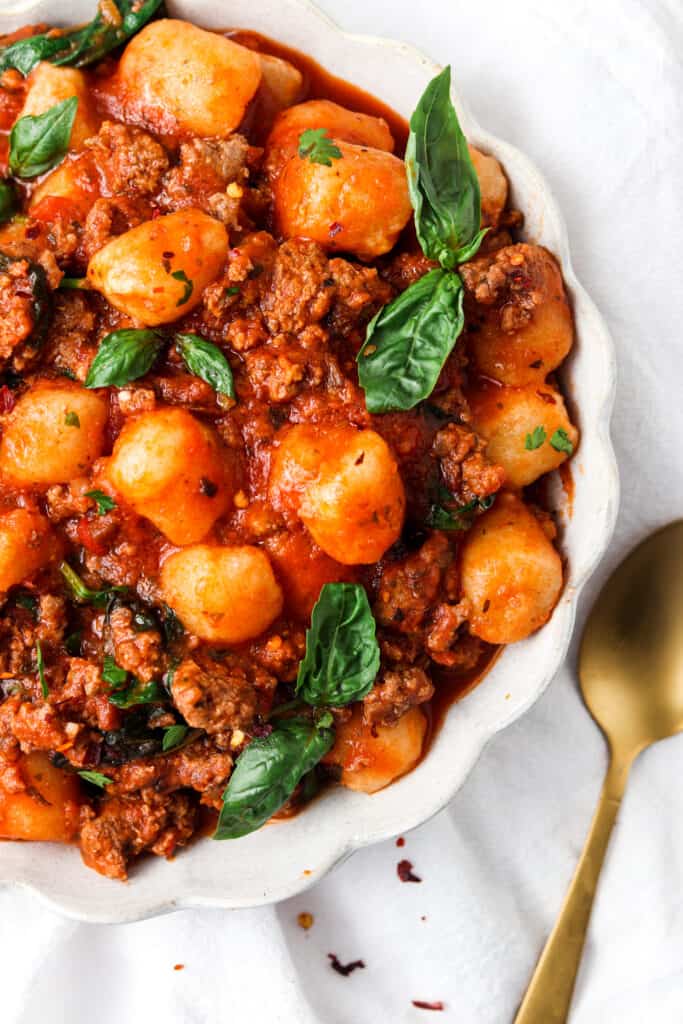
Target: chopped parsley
<point>180,275</point>
<point>561,443</point>
<point>316,144</point>
<point>535,439</point>
<point>96,778</point>
<point>103,501</point>
<point>71,419</point>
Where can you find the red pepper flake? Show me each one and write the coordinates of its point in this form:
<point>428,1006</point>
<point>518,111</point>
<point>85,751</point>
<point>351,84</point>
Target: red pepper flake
<point>7,399</point>
<point>305,920</point>
<point>344,969</point>
<point>178,967</point>
<point>422,1005</point>
<point>335,228</point>
<point>404,870</point>
<point>400,841</point>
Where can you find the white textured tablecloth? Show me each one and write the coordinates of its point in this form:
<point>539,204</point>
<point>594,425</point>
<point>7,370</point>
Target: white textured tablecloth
<point>592,91</point>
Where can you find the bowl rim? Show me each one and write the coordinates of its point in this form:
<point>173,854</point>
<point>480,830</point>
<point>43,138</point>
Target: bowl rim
<point>111,908</point>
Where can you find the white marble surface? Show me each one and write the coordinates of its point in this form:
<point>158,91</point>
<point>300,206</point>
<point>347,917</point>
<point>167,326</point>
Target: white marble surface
<point>593,93</point>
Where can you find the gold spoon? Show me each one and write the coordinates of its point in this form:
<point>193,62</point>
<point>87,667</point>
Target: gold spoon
<point>631,671</point>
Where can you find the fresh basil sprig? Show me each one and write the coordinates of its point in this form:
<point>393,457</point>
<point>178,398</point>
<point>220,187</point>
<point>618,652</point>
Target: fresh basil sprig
<point>124,356</point>
<point>205,360</point>
<point>268,771</point>
<point>342,654</point>
<point>80,46</point>
<point>443,184</point>
<point>8,201</point>
<point>82,593</point>
<point>39,142</point>
<point>408,342</point>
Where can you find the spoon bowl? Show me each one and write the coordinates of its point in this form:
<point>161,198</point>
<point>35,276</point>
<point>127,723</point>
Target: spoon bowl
<point>631,671</point>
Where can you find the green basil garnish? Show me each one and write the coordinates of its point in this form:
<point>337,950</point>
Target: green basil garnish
<point>124,356</point>
<point>138,693</point>
<point>80,46</point>
<point>96,778</point>
<point>39,142</point>
<point>82,593</point>
<point>268,771</point>
<point>408,342</point>
<point>316,146</point>
<point>173,737</point>
<point>181,276</point>
<point>342,654</point>
<point>442,517</point>
<point>443,184</point>
<point>8,201</point>
<point>113,673</point>
<point>40,665</point>
<point>205,360</point>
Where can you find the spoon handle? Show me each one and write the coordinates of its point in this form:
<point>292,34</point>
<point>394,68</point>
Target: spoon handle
<point>548,998</point>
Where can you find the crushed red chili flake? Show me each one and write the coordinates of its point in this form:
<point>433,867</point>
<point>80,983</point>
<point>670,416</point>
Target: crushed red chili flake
<point>7,399</point>
<point>335,228</point>
<point>178,967</point>
<point>344,969</point>
<point>305,920</point>
<point>400,841</point>
<point>422,1005</point>
<point>404,870</point>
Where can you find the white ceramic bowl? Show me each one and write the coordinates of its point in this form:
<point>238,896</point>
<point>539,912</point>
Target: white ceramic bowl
<point>283,859</point>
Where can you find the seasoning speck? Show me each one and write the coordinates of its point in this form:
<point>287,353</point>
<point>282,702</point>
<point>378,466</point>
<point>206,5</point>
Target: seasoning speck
<point>404,870</point>
<point>422,1005</point>
<point>305,920</point>
<point>344,969</point>
<point>179,967</point>
<point>400,841</point>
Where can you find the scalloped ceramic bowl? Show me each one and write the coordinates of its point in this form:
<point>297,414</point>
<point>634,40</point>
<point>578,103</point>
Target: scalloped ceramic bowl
<point>283,859</point>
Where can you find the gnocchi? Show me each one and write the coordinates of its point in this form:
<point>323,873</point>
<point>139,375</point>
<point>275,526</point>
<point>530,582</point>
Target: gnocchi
<point>54,434</point>
<point>511,573</point>
<point>373,756</point>
<point>171,469</point>
<point>27,544</point>
<point>222,594</point>
<point>493,187</point>
<point>47,809</point>
<point>157,271</point>
<point>49,85</point>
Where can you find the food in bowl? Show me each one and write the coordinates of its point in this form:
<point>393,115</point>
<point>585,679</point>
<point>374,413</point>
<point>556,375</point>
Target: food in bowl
<point>278,400</point>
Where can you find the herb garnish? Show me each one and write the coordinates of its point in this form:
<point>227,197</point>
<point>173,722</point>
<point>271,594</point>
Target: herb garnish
<point>124,356</point>
<point>40,665</point>
<point>561,443</point>
<point>443,517</point>
<point>342,654</point>
<point>180,275</point>
<point>173,736</point>
<point>103,501</point>
<point>96,778</point>
<point>39,142</point>
<point>535,439</point>
<point>80,46</point>
<point>113,673</point>
<point>138,693</point>
<point>316,144</point>
<point>71,419</point>
<point>205,360</point>
<point>8,201</point>
<point>82,593</point>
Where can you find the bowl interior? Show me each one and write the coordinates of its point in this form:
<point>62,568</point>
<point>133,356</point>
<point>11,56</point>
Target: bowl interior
<point>284,858</point>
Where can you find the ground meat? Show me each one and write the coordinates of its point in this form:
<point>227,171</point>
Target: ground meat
<point>409,587</point>
<point>52,619</point>
<point>218,696</point>
<point>16,315</point>
<point>511,279</point>
<point>407,268</point>
<point>358,293</point>
<point>66,500</point>
<point>200,765</point>
<point>72,341</point>
<point>128,825</point>
<point>443,631</point>
<point>205,168</point>
<point>138,651</point>
<point>466,471</point>
<point>109,218</point>
<point>297,294</point>
<point>398,690</point>
<point>279,370</point>
<point>280,654</point>
<point>133,162</point>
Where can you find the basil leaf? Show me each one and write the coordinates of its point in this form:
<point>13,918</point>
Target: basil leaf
<point>460,518</point>
<point>96,778</point>
<point>535,439</point>
<point>342,654</point>
<point>103,501</point>
<point>82,593</point>
<point>80,46</point>
<point>560,442</point>
<point>41,299</point>
<point>316,144</point>
<point>408,342</point>
<point>205,360</point>
<point>138,693</point>
<point>40,665</point>
<point>267,773</point>
<point>173,736</point>
<point>113,673</point>
<point>72,419</point>
<point>39,142</point>
<point>443,184</point>
<point>124,356</point>
<point>8,201</point>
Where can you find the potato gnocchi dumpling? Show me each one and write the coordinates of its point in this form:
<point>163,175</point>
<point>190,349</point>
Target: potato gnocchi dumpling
<point>157,271</point>
<point>49,85</point>
<point>222,594</point>
<point>180,79</point>
<point>521,429</point>
<point>27,544</point>
<point>344,485</point>
<point>511,573</point>
<point>47,809</point>
<point>54,434</point>
<point>493,186</point>
<point>171,469</point>
<point>523,324</point>
<point>373,756</point>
